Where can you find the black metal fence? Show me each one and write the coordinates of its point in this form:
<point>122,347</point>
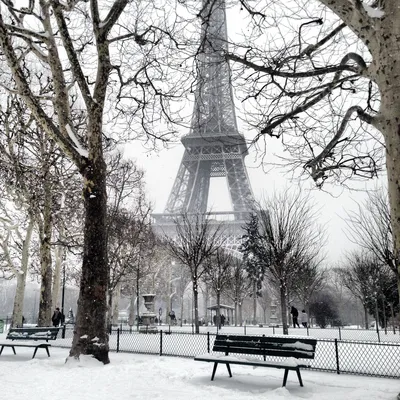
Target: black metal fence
<point>333,355</point>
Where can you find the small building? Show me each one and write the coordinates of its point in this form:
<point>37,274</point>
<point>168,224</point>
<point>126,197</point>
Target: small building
<point>223,308</point>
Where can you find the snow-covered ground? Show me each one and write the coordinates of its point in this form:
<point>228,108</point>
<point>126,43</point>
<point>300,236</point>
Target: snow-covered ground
<point>133,376</point>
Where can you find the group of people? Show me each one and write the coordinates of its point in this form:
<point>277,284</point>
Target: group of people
<point>222,319</point>
<point>295,317</point>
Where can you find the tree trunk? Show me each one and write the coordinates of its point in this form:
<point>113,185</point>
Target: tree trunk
<point>181,310</point>
<point>45,230</point>
<point>196,306</point>
<point>131,319</point>
<point>59,258</point>
<point>205,299</point>
<point>283,310</point>
<point>110,309</point>
<point>115,304</point>
<point>385,72</point>
<point>366,316</point>
<point>254,302</point>
<point>21,278</point>
<point>90,335</point>
<point>384,323</point>
<point>218,317</point>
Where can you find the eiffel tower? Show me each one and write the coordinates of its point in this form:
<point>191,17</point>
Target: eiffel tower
<point>214,147</point>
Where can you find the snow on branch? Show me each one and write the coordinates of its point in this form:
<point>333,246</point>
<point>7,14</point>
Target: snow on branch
<point>83,152</point>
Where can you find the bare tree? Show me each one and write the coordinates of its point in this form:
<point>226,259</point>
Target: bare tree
<point>34,171</point>
<point>15,242</point>
<point>68,92</point>
<point>357,276</point>
<point>287,239</point>
<point>265,299</point>
<point>239,288</point>
<point>127,223</point>
<point>326,84</point>
<point>310,279</point>
<point>196,239</point>
<point>217,276</point>
<point>370,227</point>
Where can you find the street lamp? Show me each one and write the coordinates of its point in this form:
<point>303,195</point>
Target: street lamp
<point>63,294</point>
<point>62,302</point>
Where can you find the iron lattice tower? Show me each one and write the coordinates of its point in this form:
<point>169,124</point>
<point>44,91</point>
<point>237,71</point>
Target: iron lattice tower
<point>213,147</point>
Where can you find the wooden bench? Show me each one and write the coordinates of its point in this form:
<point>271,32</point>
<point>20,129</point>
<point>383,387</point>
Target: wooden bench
<point>19,338</point>
<point>282,352</point>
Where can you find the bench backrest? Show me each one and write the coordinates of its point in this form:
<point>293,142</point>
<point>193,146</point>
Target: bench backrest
<point>35,333</point>
<point>275,346</point>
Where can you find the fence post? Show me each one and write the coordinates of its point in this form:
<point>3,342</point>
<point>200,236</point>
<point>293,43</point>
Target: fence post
<point>308,331</point>
<point>273,329</point>
<point>208,342</point>
<point>340,334</point>
<point>161,342</point>
<point>117,340</point>
<point>245,330</point>
<point>379,336</point>
<point>63,331</point>
<point>337,356</point>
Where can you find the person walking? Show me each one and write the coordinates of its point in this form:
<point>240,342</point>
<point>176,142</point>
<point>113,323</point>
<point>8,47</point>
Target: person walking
<point>295,315</point>
<point>304,318</point>
<point>57,317</point>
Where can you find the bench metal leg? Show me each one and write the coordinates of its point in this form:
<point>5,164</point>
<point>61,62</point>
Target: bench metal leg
<point>47,349</point>
<point>34,353</point>
<point>214,369</point>
<point>299,376</point>
<point>229,370</point>
<point>285,377</point>
<point>2,347</point>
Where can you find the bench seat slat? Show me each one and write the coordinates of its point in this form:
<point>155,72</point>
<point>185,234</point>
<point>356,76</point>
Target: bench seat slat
<point>265,352</point>
<point>36,333</point>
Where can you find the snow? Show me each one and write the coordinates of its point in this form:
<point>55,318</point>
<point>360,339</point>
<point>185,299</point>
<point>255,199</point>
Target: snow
<point>137,376</point>
<point>373,12</point>
<point>83,152</point>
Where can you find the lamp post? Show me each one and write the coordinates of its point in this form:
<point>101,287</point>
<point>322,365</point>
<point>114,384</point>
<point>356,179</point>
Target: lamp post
<point>63,291</point>
<point>62,302</point>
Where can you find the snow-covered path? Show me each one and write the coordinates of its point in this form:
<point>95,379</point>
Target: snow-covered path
<point>133,376</point>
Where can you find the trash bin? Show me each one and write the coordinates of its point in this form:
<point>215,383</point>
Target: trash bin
<point>1,325</point>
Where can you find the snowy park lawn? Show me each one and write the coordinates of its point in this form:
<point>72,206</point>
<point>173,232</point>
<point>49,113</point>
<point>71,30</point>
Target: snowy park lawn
<point>134,376</point>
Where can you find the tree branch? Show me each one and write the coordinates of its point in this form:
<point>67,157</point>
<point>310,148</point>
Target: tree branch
<point>315,163</point>
<point>72,55</point>
<point>25,92</point>
<point>350,56</point>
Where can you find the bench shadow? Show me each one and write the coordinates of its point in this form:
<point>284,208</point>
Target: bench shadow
<point>247,383</point>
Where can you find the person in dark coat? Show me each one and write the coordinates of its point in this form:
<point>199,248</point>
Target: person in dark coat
<point>295,315</point>
<point>57,317</point>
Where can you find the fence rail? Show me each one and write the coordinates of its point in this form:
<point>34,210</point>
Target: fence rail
<point>333,355</point>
